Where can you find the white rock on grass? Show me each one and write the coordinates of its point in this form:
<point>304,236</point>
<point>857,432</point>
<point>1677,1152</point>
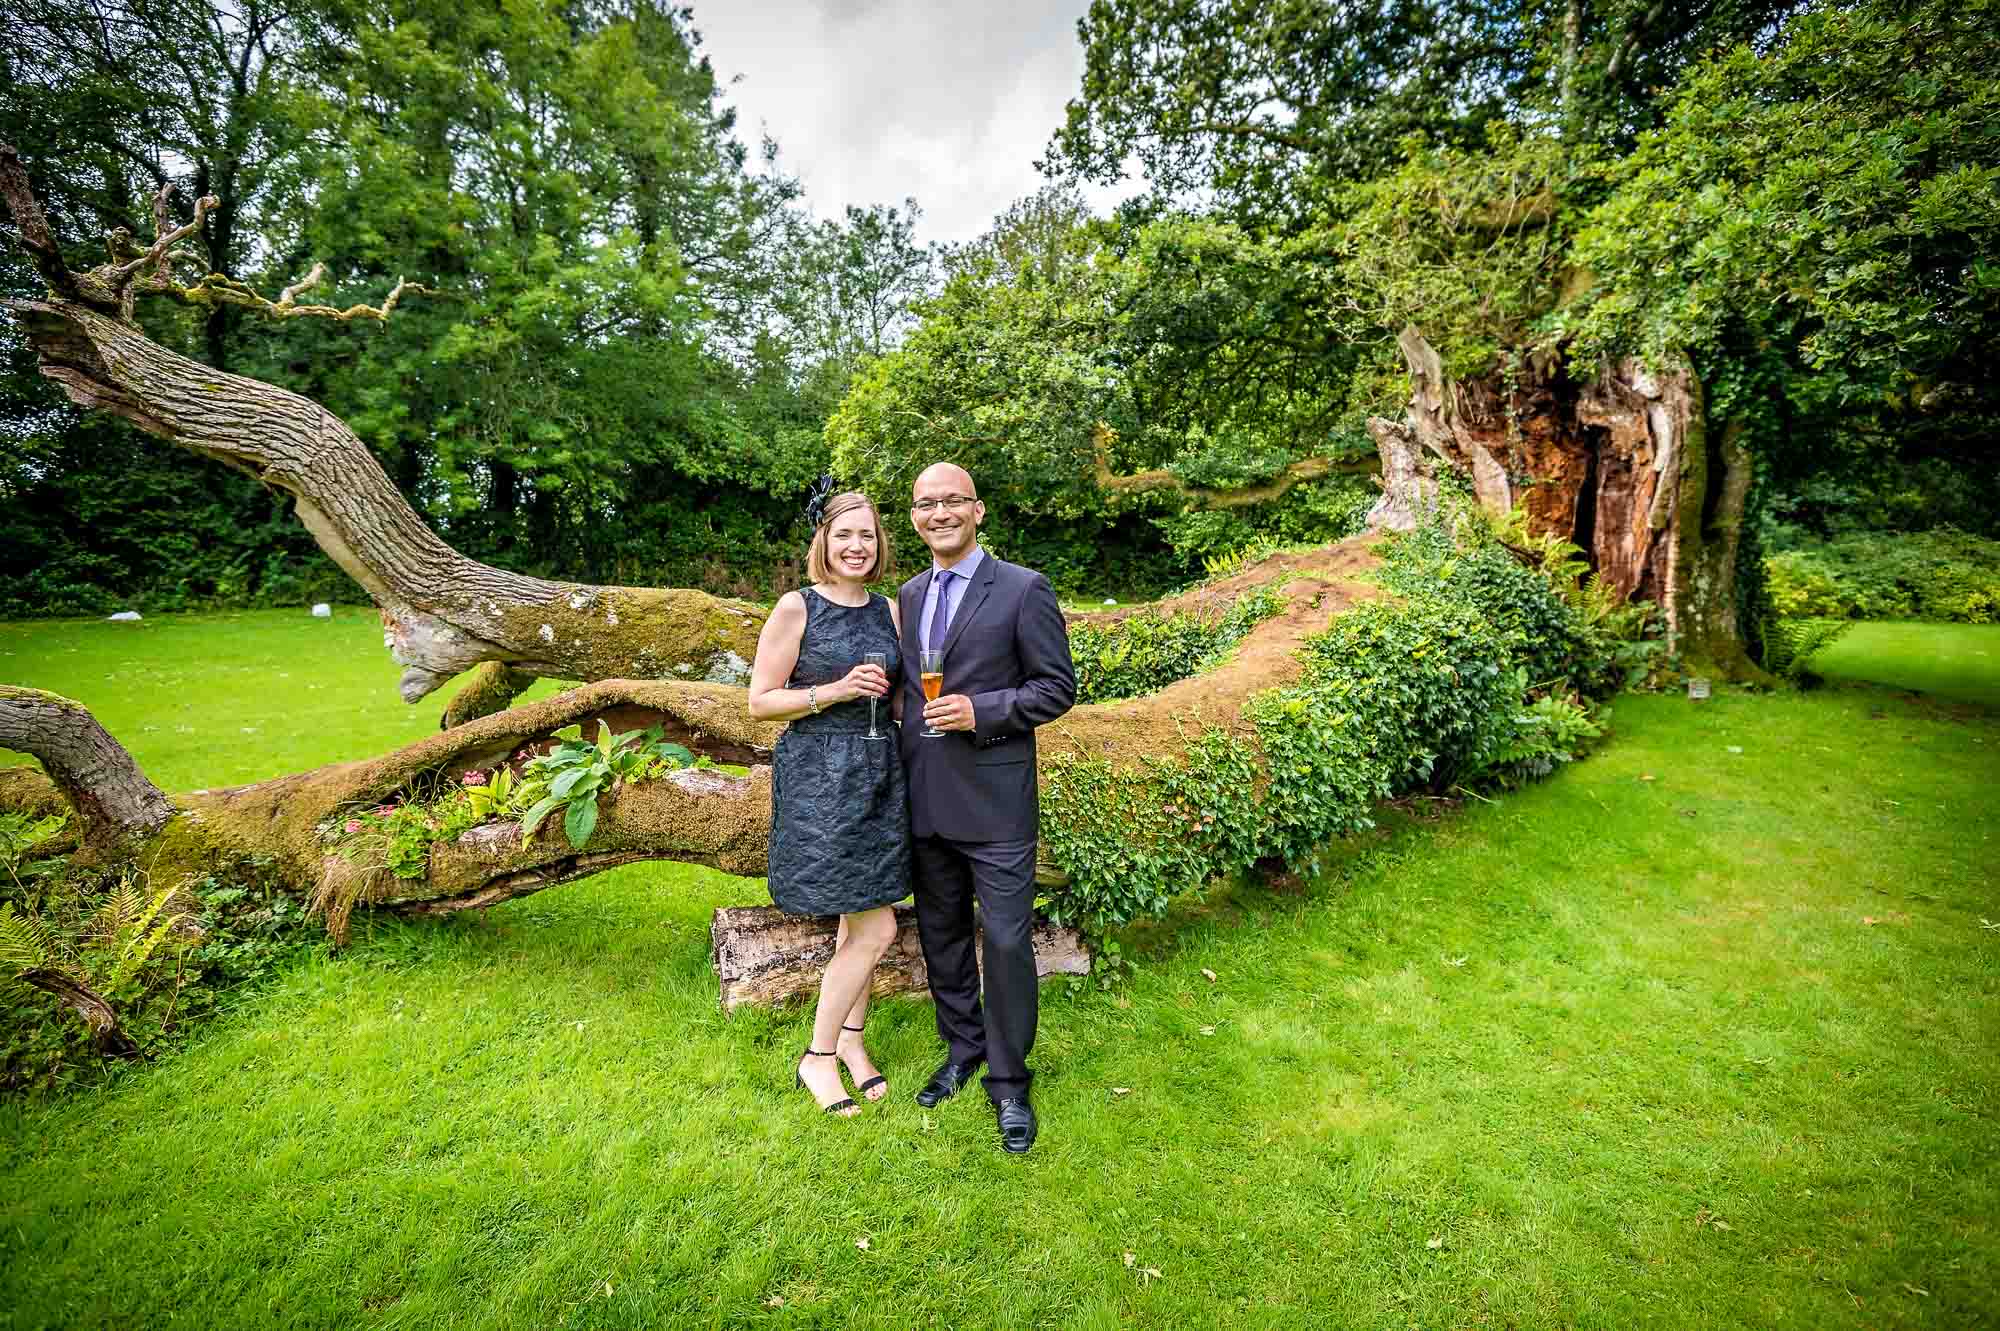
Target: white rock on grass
<point>322,611</point>
<point>125,617</point>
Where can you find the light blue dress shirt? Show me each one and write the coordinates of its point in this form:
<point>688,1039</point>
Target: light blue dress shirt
<point>962,574</point>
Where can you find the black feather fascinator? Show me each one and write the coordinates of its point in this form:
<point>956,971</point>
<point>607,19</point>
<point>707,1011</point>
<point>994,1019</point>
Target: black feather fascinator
<point>822,491</point>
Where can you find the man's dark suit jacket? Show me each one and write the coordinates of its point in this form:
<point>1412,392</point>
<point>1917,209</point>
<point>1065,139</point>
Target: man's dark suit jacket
<point>1008,651</point>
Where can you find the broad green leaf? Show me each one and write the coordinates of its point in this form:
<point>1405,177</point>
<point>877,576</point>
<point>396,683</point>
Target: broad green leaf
<point>580,822</point>
<point>533,818</point>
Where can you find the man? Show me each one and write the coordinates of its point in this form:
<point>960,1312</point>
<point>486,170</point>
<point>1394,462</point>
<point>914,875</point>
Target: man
<point>974,805</point>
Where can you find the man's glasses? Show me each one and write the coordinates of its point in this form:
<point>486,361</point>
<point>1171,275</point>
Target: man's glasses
<point>950,503</point>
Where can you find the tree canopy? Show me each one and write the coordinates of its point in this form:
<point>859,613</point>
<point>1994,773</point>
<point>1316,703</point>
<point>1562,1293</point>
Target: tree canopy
<point>638,330</point>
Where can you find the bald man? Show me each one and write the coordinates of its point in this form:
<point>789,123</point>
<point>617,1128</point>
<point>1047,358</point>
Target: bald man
<point>974,804</point>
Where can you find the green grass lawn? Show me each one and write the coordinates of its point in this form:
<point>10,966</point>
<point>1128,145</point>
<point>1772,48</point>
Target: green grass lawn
<point>221,699</point>
<point>1705,1031</point>
<point>1958,662</point>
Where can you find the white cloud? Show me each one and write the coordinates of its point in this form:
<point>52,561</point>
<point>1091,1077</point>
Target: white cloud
<point>875,100</point>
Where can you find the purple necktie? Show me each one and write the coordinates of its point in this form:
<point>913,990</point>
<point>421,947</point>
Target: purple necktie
<point>940,612</point>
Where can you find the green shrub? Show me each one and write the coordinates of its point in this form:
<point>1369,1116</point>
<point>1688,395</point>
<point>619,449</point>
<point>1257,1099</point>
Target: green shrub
<point>134,945</point>
<point>1395,697</point>
<point>1131,841</point>
<point>1553,637</point>
<point>1937,575</point>
<point>1147,651</point>
<point>1533,739</point>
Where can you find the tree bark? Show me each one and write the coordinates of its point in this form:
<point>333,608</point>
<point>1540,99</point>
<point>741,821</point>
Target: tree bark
<point>764,956</point>
<point>1618,464</point>
<point>116,807</point>
<point>1706,629</point>
<point>90,1007</point>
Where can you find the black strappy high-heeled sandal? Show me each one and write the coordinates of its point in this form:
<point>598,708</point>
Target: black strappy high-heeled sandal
<point>878,1079</point>
<point>838,1106</point>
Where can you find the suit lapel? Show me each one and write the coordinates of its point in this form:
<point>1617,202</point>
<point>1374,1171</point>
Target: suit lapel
<point>913,633</point>
<point>968,604</point>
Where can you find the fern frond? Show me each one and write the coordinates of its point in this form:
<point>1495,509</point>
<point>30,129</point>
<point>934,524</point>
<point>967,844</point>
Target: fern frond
<point>25,942</point>
<point>142,938</point>
<point>120,908</point>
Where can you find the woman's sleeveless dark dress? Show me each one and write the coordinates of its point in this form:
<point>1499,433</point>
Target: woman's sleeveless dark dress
<point>840,820</point>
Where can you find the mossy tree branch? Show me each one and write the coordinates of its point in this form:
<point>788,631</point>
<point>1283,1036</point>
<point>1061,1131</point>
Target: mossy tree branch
<point>1159,483</point>
<point>116,806</point>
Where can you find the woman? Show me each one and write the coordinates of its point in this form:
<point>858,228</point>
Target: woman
<point>840,832</point>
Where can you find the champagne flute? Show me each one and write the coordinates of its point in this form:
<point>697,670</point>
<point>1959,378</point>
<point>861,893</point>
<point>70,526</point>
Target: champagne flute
<point>880,660</point>
<point>932,678</point>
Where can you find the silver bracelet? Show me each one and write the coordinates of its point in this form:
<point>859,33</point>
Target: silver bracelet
<point>812,698</point>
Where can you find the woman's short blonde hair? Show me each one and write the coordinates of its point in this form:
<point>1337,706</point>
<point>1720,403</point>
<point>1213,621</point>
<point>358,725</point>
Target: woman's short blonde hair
<point>819,567</point>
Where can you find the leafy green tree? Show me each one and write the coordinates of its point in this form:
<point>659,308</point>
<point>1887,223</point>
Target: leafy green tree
<point>1267,106</point>
<point>132,95</point>
<point>846,289</point>
<point>1057,362</point>
<point>1815,224</point>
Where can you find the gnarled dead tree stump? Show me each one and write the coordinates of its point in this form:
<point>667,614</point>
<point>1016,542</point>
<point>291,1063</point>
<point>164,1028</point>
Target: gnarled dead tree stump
<point>1624,464</point>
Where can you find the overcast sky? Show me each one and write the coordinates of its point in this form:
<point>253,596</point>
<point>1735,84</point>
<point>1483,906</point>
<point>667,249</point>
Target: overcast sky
<point>949,101</point>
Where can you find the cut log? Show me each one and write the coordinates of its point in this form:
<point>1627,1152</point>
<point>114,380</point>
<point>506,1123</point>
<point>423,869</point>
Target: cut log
<point>765,956</point>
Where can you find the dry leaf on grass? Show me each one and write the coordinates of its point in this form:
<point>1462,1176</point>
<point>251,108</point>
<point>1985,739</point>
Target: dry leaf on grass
<point>1436,1241</point>
<point>1121,1090</point>
<point>1209,973</point>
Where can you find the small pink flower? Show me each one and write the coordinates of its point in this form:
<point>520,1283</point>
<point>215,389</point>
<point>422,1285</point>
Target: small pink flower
<point>353,824</point>
<point>384,810</point>
<point>474,778</point>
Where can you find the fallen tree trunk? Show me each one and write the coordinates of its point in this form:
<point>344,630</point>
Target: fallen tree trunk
<point>764,956</point>
<point>700,815</point>
<point>445,613</point>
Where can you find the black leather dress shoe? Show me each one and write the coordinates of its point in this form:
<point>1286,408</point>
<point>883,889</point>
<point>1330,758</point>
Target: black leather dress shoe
<point>947,1081</point>
<point>1017,1124</point>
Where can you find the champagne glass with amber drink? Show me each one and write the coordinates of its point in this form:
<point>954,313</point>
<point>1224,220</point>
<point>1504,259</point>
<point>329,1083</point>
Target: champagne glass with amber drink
<point>932,678</point>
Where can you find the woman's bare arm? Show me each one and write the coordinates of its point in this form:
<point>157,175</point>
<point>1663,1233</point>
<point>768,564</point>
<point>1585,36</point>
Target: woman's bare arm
<point>778,653</point>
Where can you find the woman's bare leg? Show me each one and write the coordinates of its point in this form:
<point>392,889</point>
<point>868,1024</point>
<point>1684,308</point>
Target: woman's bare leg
<point>878,929</point>
<point>857,949</point>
